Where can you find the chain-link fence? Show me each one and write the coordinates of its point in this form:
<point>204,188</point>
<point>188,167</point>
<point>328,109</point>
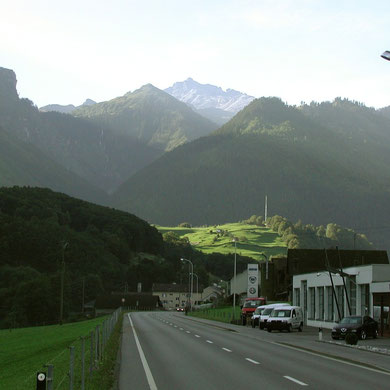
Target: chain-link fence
<point>73,368</point>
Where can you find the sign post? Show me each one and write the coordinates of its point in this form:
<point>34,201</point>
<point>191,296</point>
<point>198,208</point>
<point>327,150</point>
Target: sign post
<point>253,281</point>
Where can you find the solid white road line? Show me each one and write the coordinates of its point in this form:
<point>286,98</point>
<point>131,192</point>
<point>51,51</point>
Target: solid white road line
<point>227,350</point>
<point>209,341</point>
<point>252,361</point>
<point>295,380</point>
<point>148,373</point>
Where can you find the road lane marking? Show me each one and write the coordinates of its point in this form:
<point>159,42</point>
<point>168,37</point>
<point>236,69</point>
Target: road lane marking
<point>187,331</point>
<point>148,373</point>
<point>209,341</point>
<point>175,326</point>
<point>227,350</point>
<point>197,335</point>
<point>295,380</point>
<point>181,329</point>
<point>252,361</point>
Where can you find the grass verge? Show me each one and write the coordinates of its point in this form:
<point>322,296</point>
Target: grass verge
<point>221,314</point>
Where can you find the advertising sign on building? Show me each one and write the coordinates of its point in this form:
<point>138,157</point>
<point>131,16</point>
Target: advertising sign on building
<point>253,281</point>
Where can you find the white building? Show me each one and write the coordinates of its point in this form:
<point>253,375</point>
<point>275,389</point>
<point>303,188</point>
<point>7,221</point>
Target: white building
<point>365,285</point>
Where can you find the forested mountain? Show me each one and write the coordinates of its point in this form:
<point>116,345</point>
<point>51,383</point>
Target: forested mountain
<point>312,169</point>
<point>209,100</point>
<point>92,151</point>
<point>22,163</point>
<point>65,109</point>
<point>103,247</point>
<point>151,116</point>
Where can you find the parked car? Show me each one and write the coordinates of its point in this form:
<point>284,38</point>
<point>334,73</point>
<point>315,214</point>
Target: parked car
<point>250,305</point>
<point>256,315</point>
<point>180,309</point>
<point>363,326</point>
<point>266,313</point>
<point>286,318</point>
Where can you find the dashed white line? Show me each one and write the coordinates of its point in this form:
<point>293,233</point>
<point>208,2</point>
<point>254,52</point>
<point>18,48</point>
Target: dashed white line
<point>295,380</point>
<point>181,329</point>
<point>209,341</point>
<point>227,350</point>
<point>187,331</point>
<point>197,335</point>
<point>175,326</point>
<point>252,361</point>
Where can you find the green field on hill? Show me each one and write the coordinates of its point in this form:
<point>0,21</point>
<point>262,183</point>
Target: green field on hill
<point>252,240</point>
<point>26,351</point>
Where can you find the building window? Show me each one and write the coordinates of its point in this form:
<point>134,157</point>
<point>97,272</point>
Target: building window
<point>297,297</point>
<point>329,313</point>
<point>365,299</point>
<point>164,295</point>
<point>177,298</point>
<point>340,300</point>
<point>320,313</point>
<point>352,294</point>
<point>312,297</point>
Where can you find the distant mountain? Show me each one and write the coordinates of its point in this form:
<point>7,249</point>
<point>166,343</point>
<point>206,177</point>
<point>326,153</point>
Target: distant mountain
<point>23,164</point>
<point>210,101</point>
<point>321,163</point>
<point>65,109</point>
<point>150,115</point>
<point>91,151</point>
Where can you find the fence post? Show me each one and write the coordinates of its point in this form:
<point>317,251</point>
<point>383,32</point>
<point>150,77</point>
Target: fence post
<point>82,363</point>
<point>50,376</point>
<point>96,345</point>
<point>71,367</point>
<point>91,358</point>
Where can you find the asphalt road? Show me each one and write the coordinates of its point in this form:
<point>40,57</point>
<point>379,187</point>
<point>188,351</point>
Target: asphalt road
<point>169,351</point>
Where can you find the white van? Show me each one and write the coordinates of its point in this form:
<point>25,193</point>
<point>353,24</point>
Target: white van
<point>286,317</point>
<point>256,315</point>
<point>266,313</point>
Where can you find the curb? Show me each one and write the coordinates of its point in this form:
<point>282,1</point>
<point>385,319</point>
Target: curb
<point>368,348</point>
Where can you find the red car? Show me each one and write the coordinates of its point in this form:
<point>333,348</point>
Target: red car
<point>249,306</point>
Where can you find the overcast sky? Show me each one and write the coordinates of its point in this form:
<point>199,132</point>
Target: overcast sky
<point>300,50</point>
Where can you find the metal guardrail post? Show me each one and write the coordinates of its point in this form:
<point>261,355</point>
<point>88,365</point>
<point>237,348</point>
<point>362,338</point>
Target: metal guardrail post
<point>71,368</point>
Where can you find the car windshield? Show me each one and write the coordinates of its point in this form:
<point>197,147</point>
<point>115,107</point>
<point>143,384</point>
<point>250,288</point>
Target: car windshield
<point>259,310</point>
<point>281,313</point>
<point>351,320</point>
<point>267,312</point>
<point>251,304</point>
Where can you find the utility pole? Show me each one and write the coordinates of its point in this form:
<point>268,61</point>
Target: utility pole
<point>65,245</point>
<point>235,275</point>
<point>265,209</point>
<point>83,296</point>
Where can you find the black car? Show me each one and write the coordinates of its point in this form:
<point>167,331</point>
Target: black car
<point>363,326</point>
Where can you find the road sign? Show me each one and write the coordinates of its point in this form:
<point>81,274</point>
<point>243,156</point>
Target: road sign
<point>41,381</point>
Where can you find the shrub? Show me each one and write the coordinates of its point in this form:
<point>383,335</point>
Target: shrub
<point>351,338</point>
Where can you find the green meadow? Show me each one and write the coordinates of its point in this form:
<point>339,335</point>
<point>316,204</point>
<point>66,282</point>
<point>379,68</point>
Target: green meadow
<point>25,351</point>
<point>252,240</point>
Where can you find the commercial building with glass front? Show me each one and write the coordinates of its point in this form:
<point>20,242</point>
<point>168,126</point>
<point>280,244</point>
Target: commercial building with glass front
<point>326,297</point>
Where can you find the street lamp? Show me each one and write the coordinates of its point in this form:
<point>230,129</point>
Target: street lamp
<point>386,55</point>
<point>192,278</point>
<point>235,274</point>
<point>197,285</point>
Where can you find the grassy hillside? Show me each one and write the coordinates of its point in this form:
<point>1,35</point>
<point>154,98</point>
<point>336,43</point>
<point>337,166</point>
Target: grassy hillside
<point>25,351</point>
<point>252,240</point>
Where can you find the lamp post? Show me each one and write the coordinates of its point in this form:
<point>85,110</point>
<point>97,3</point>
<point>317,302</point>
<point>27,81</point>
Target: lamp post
<point>65,245</point>
<point>386,55</point>
<point>235,274</point>
<point>192,278</point>
<point>197,285</point>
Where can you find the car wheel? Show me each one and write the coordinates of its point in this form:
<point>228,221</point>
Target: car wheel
<point>363,334</point>
<point>289,328</point>
<point>244,321</point>
<point>261,326</point>
<point>300,327</point>
<point>269,330</point>
<point>375,334</point>
<point>253,324</point>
